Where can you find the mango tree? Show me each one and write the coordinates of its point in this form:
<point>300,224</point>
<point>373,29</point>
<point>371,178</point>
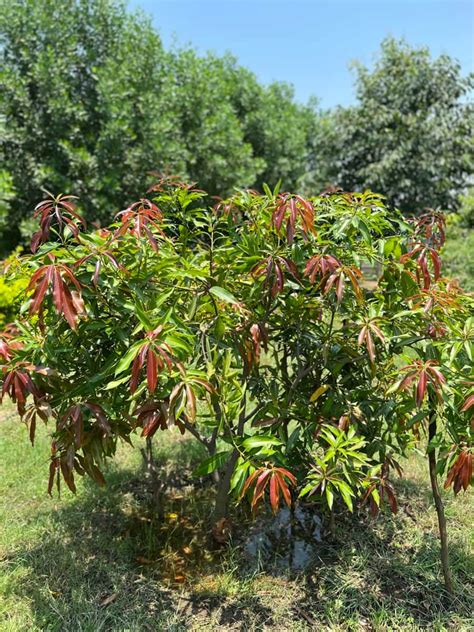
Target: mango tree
<point>249,325</point>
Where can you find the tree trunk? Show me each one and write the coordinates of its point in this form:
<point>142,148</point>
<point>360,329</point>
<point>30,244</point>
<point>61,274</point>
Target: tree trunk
<point>221,507</point>
<point>157,486</point>
<point>148,456</point>
<point>448,582</point>
<point>332,524</point>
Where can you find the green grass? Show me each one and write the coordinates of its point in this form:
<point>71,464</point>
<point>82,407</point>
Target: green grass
<point>62,560</point>
<point>458,256</point>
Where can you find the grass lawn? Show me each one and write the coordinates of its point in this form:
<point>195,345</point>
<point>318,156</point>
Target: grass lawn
<point>101,560</point>
<point>458,256</point>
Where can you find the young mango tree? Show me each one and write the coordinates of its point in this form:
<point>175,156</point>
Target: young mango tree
<point>249,325</point>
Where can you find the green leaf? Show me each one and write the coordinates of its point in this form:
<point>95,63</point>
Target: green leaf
<point>346,493</point>
<point>260,441</point>
<point>416,418</point>
<point>129,357</point>
<point>307,489</point>
<point>365,231</point>
<point>222,294</point>
<point>267,190</point>
<point>329,496</point>
<point>376,496</point>
<point>115,383</point>
<point>240,476</point>
<point>456,348</point>
<point>143,317</point>
<point>318,392</point>
<point>292,439</point>
<point>468,347</point>
<point>392,247</point>
<point>212,463</point>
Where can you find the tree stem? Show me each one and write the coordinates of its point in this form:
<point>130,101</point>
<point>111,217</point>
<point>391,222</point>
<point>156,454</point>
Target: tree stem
<point>221,507</point>
<point>332,524</point>
<point>157,486</point>
<point>448,582</point>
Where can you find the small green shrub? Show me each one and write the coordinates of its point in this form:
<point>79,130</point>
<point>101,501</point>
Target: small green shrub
<point>12,286</point>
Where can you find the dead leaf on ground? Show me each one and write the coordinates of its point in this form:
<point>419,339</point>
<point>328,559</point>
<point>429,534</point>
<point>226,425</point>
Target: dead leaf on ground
<point>144,560</point>
<point>108,600</point>
<point>221,531</point>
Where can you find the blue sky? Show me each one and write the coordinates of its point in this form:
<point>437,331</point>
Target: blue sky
<point>310,43</point>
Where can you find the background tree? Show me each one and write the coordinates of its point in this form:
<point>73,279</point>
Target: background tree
<point>90,102</point>
<point>410,135</point>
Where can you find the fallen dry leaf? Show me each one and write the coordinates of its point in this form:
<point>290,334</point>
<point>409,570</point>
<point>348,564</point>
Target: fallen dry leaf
<point>221,531</point>
<point>144,560</point>
<point>108,600</point>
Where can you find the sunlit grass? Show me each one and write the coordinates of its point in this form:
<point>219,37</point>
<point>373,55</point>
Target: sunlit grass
<point>124,558</point>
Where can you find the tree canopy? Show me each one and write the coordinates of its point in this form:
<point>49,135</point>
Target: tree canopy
<point>410,134</point>
<point>249,325</point>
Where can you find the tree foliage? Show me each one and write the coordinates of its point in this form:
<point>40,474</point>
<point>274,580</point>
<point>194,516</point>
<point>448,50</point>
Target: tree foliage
<point>91,102</point>
<point>409,134</point>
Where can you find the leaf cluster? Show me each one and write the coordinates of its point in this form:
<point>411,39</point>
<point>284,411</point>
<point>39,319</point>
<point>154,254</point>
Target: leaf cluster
<point>252,325</point>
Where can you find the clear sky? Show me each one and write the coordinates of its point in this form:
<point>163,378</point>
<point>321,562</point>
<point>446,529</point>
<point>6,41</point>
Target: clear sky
<point>310,43</point>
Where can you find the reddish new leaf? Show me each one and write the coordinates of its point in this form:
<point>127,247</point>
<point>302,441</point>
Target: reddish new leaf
<point>151,371</point>
<point>421,388</point>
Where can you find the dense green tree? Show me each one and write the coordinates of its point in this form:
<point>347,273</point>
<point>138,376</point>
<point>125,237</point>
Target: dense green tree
<point>410,134</point>
<point>91,102</point>
<point>58,130</point>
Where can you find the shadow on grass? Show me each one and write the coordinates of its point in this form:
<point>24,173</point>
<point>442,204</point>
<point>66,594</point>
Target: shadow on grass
<point>389,569</point>
<point>367,575</point>
<point>107,563</point>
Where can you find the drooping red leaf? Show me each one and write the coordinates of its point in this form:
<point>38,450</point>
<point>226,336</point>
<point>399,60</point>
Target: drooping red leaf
<point>288,474</point>
<point>284,488</point>
<point>370,347</point>
<point>294,208</point>
<point>249,482</point>
<point>32,429</point>
<point>361,337</point>
<point>53,471</point>
<point>274,494</point>
<point>421,388</point>
<point>52,276</point>
<point>58,210</point>
<point>460,473</point>
<point>468,403</point>
<point>151,370</point>
<point>436,263</point>
<point>190,403</point>
<point>136,368</point>
<point>392,500</point>
<point>260,487</point>
<point>165,355</point>
<point>68,476</point>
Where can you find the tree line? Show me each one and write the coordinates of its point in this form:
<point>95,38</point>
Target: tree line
<point>91,102</point>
